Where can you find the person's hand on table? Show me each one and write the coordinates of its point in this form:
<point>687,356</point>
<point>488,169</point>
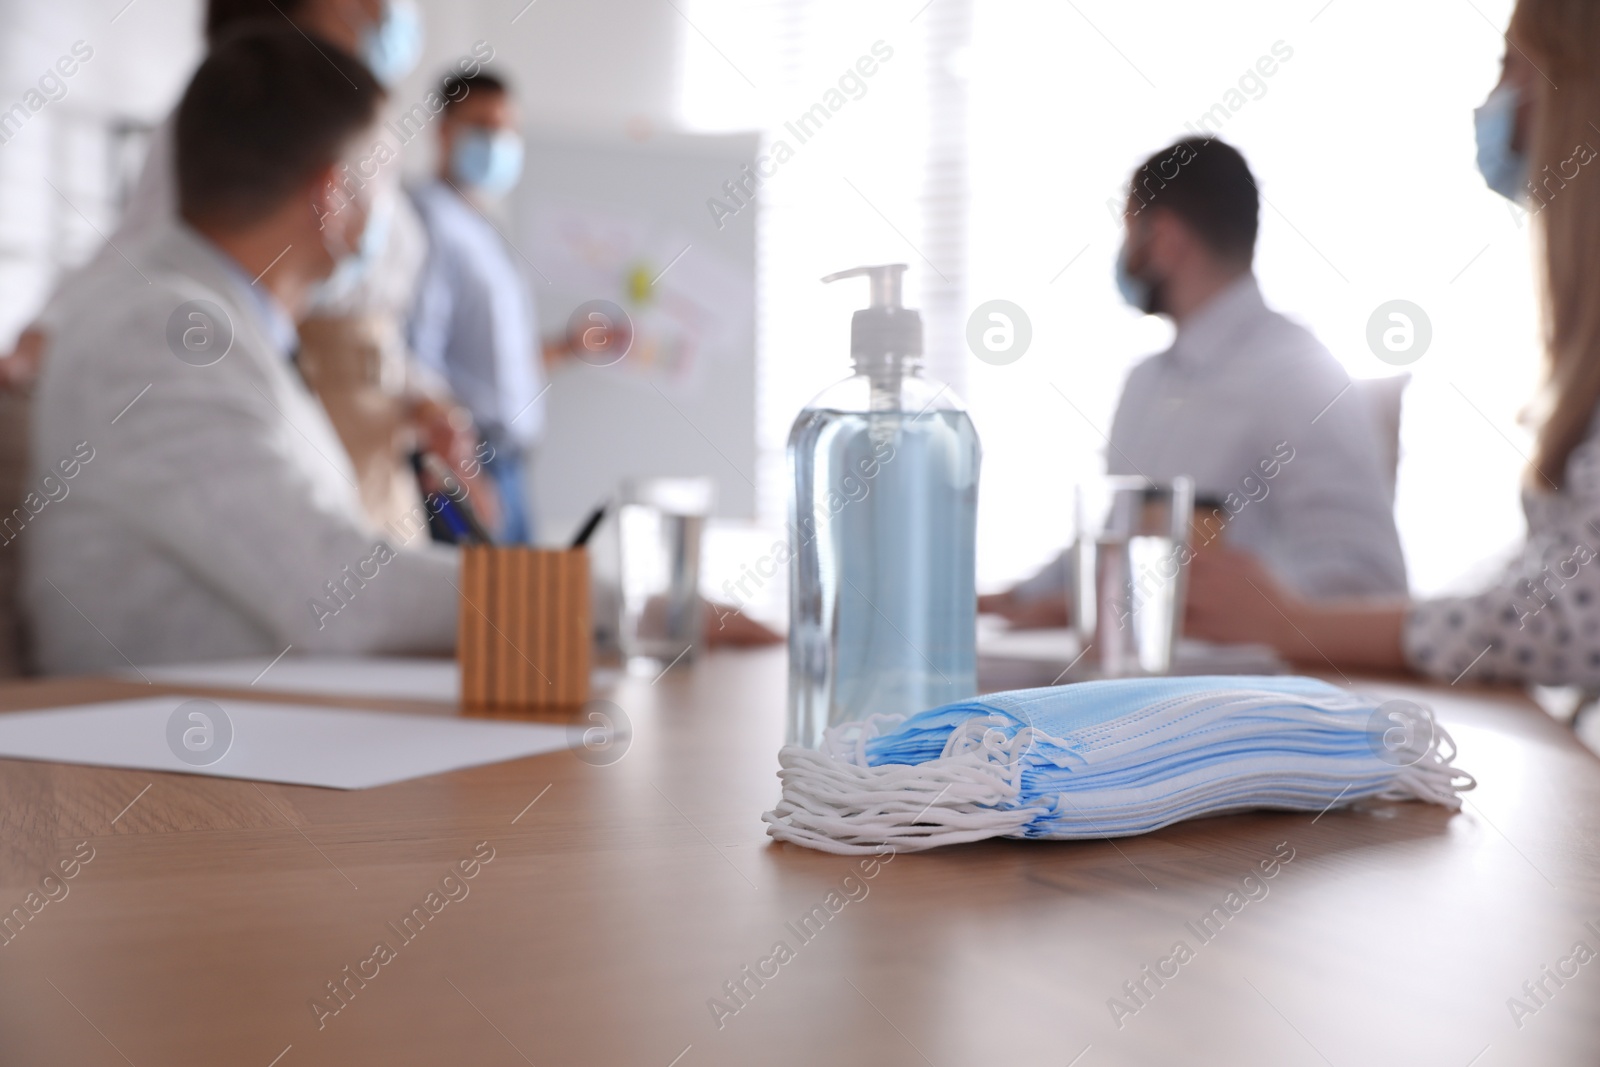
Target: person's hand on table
<point>1234,599</point>
<point>1026,614</point>
<point>20,366</point>
<point>728,627</point>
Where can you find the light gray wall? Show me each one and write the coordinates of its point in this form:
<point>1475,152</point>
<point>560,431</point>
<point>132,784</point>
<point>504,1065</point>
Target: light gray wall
<point>583,61</point>
<point>599,66</point>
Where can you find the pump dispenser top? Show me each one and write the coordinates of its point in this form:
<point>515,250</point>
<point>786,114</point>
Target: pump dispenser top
<point>885,334</point>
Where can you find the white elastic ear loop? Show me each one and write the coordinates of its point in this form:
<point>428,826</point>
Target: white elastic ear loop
<point>1432,776</point>
<point>835,801</point>
<point>847,742</point>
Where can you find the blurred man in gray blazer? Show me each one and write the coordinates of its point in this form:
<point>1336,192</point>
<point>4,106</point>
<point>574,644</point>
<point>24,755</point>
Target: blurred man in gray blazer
<point>218,515</point>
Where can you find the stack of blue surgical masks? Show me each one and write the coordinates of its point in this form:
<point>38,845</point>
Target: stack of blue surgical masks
<point>1108,759</point>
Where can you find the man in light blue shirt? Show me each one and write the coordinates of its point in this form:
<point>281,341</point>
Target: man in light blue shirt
<point>475,320</point>
<point>1245,402</point>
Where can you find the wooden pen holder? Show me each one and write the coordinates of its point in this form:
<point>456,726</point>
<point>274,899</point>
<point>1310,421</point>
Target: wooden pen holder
<point>525,634</point>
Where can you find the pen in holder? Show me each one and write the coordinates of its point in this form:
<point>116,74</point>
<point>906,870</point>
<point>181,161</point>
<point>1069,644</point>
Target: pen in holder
<point>524,636</point>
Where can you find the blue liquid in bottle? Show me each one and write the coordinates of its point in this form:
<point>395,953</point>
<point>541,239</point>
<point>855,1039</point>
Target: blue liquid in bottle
<point>883,521</point>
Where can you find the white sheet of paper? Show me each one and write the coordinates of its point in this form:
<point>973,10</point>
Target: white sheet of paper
<point>292,743</point>
<point>376,677</point>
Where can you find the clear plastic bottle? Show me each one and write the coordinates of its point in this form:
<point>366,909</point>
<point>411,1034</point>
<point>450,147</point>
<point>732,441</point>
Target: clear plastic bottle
<point>883,525</point>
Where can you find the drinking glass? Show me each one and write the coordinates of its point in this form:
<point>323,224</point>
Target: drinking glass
<point>1130,546</point>
<point>660,525</point>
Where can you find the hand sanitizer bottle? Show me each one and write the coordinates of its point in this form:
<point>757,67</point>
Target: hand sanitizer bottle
<point>883,521</point>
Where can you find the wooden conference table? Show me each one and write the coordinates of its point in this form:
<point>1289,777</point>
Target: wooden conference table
<point>621,902</point>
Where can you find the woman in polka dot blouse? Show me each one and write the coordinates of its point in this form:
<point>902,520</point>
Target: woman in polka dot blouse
<point>1539,621</point>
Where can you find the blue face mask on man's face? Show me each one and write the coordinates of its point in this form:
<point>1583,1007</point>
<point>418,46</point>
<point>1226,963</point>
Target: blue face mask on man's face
<point>392,46</point>
<point>1140,293</point>
<point>1503,167</point>
<point>489,161</point>
<point>353,261</point>
<point>1134,289</point>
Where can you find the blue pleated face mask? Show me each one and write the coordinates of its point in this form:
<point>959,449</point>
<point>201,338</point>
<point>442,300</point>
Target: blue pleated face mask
<point>1135,291</point>
<point>1109,758</point>
<point>391,46</point>
<point>1504,169</point>
<point>353,265</point>
<point>489,161</point>
<point>1138,292</point>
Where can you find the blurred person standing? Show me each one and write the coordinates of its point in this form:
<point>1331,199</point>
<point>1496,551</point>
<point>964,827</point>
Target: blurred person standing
<point>476,321</point>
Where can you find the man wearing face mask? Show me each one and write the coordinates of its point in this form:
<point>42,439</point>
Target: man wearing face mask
<point>475,321</point>
<point>1245,402</point>
<point>221,518</point>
